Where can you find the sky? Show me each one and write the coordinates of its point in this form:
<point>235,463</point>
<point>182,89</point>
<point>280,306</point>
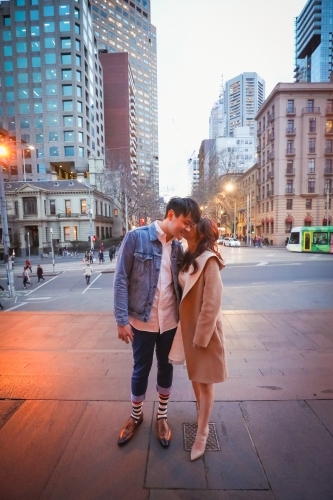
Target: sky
<point>198,41</point>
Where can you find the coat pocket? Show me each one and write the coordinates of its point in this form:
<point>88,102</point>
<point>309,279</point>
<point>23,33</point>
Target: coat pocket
<point>142,263</point>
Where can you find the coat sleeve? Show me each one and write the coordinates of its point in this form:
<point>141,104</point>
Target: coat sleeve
<point>211,303</point>
<point>121,278</point>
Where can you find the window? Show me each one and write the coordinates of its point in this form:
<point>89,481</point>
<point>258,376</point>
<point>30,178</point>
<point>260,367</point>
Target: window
<point>312,125</point>
<point>69,136</point>
<point>41,168</point>
<point>64,10</point>
<point>7,50</point>
<point>35,46</point>
<point>66,74</point>
<point>83,206</point>
<point>51,89</point>
<point>34,15</point>
<point>329,126</point>
<point>34,30</point>
<point>6,21</point>
<point>311,185</point>
<point>68,209</point>
<point>78,60</point>
<point>52,105</point>
<point>22,62</point>
<point>39,138</point>
<point>48,11</point>
<point>311,166</point>
<point>52,207</point>
<point>50,58</point>
<point>40,153</point>
<point>66,58</point>
<point>19,15</point>
<point>67,90</point>
<point>81,152</point>
<point>8,66</point>
<point>308,204</point>
<point>38,107</point>
<point>38,123</point>
<point>13,170</point>
<point>23,93</point>
<point>66,43</point>
<point>289,189</point>
<point>50,74</point>
<point>290,146</point>
<point>77,29</point>
<point>53,136</point>
<point>54,151</point>
<point>7,36</point>
<point>80,121</point>
<point>29,206</point>
<point>24,123</point>
<point>76,13</point>
<point>65,26</point>
<point>49,43</point>
<point>24,109</point>
<point>52,120</point>
<point>21,47</point>
<point>9,81</point>
<point>77,45</point>
<point>36,78</point>
<point>289,204</point>
<point>68,121</point>
<point>67,233</point>
<point>115,212</point>
<point>312,145</point>
<point>35,62</point>
<point>78,76</point>
<point>67,105</point>
<point>79,91</point>
<point>80,136</point>
<point>310,104</point>
<point>69,150</point>
<point>79,106</point>
<point>49,27</point>
<point>320,238</point>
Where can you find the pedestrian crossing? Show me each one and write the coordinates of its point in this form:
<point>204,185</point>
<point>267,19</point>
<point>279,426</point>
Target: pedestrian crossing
<point>62,266</point>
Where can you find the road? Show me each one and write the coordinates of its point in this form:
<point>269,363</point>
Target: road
<point>254,279</point>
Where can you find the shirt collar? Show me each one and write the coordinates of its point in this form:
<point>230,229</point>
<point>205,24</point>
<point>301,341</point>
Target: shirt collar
<point>161,234</point>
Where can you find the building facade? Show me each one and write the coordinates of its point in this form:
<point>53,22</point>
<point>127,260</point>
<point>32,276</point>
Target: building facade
<point>124,26</point>
<point>193,175</point>
<point>314,42</point>
<point>233,154</point>
<point>70,208</point>
<point>243,96</point>
<point>52,90</point>
<point>295,158</point>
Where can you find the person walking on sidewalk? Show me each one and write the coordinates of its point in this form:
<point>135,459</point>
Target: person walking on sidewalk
<point>146,298</point>
<point>112,253</point>
<point>87,271</point>
<point>201,323</point>
<point>28,265</point>
<point>26,277</point>
<point>40,273</point>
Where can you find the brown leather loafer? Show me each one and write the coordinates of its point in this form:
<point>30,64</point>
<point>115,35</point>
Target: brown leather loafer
<point>163,432</point>
<point>128,431</point>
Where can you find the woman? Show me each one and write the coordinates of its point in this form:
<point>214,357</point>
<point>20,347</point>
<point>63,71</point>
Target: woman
<point>87,271</point>
<point>201,322</point>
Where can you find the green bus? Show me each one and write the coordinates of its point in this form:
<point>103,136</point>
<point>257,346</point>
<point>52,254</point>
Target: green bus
<point>311,239</point>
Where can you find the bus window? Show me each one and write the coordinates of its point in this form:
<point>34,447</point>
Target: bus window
<point>294,239</point>
<point>320,238</point>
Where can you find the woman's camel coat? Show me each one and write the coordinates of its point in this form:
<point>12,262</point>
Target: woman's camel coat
<point>201,322</point>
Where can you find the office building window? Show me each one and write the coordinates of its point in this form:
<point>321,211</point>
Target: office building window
<point>36,78</point>
<point>49,27</point>
<point>49,43</point>
<point>38,108</point>
<point>69,136</point>
<point>54,151</point>
<point>66,74</point>
<point>68,209</point>
<point>66,43</point>
<point>67,89</point>
<point>23,93</point>
<point>21,32</point>
<point>67,233</point>
<point>51,89</point>
<point>50,58</point>
<point>81,152</point>
<point>308,204</point>
<point>7,51</point>
<point>66,58</point>
<point>50,74</point>
<point>65,26</point>
<point>289,204</point>
<point>25,123</point>
<point>38,123</point>
<point>53,136</point>
<point>67,105</point>
<point>312,125</point>
<point>311,185</point>
<point>83,206</point>
<point>30,206</point>
<point>52,105</point>
<point>64,10</point>
<point>34,15</point>
<point>35,46</point>
<point>39,138</point>
<point>52,207</point>
<point>52,120</point>
<point>69,150</point>
<point>37,93</point>
<point>312,145</point>
<point>68,121</point>
<point>311,165</point>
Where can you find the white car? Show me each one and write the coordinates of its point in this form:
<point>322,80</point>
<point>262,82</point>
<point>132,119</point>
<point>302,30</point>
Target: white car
<point>220,241</point>
<point>231,242</point>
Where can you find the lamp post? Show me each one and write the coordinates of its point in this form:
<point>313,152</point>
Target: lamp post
<point>51,231</point>
<point>327,203</point>
<point>5,232</point>
<point>28,244</point>
<point>23,158</point>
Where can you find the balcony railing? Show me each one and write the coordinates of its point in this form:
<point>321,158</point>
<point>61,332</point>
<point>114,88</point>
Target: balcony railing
<point>328,151</point>
<point>311,189</point>
<point>71,215</point>
<point>291,111</point>
<point>270,175</point>
<point>329,110</point>
<point>290,190</point>
<point>310,109</point>
<point>290,151</point>
<point>290,131</point>
<point>290,171</point>
<point>328,171</point>
<point>258,182</point>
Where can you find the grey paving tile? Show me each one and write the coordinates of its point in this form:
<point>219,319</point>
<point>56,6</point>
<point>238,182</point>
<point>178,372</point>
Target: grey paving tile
<point>236,466</point>
<point>324,411</point>
<point>209,495</point>
<point>31,444</point>
<point>171,468</point>
<point>294,447</point>
<point>93,466</point>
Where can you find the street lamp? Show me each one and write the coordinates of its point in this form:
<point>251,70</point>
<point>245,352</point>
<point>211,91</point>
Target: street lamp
<point>5,232</point>
<point>28,243</point>
<point>30,147</point>
<point>51,231</point>
<point>230,187</point>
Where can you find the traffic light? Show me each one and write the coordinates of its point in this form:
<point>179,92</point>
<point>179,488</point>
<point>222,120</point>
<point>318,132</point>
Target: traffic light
<point>94,239</point>
<point>89,239</point>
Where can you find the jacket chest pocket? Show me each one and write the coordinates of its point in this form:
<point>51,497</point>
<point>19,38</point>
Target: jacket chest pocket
<point>142,264</point>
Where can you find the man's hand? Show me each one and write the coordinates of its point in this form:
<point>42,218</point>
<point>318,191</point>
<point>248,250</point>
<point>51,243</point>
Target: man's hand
<point>125,333</point>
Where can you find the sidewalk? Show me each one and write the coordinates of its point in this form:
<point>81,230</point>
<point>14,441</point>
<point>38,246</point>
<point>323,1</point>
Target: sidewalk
<point>64,396</point>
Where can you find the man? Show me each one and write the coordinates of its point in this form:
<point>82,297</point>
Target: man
<point>146,300</point>
<point>40,273</point>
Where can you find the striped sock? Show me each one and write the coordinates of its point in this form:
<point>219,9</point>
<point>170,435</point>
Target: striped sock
<point>162,411</point>
<point>136,410</point>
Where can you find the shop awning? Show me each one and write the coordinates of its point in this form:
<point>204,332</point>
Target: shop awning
<point>308,219</point>
<point>289,219</point>
<point>271,219</point>
<point>267,220</point>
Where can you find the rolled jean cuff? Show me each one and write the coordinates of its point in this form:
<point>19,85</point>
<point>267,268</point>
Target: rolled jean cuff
<point>138,399</point>
<point>162,390</point>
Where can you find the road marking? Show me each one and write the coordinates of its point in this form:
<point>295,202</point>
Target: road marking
<point>84,291</point>
<point>40,286</point>
<point>40,298</point>
<point>15,307</point>
<point>262,264</point>
<point>95,288</point>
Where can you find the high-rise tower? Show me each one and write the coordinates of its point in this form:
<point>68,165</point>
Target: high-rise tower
<point>124,26</point>
<point>51,88</point>
<point>314,42</point>
<point>243,97</point>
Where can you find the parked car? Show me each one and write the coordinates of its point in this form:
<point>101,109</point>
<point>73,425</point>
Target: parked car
<point>220,240</point>
<point>231,242</point>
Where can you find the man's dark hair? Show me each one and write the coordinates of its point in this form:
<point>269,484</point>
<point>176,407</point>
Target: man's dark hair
<point>184,206</point>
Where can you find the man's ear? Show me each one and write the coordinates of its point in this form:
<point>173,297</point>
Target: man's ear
<point>170,214</point>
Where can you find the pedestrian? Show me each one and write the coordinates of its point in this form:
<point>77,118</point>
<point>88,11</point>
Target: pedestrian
<point>146,298</point>
<point>112,253</point>
<point>201,322</point>
<point>26,277</point>
<point>91,257</point>
<point>87,271</point>
<point>28,264</point>
<point>40,273</point>
<point>259,241</point>
<point>1,306</point>
<point>76,250</point>
<point>100,257</point>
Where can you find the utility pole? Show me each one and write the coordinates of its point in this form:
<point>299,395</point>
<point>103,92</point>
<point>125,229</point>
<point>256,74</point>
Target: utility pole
<point>5,234</point>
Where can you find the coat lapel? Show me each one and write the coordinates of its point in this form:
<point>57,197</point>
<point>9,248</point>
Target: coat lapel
<point>193,278</point>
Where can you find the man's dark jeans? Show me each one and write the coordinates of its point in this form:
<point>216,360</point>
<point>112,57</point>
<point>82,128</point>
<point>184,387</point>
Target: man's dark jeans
<point>144,344</point>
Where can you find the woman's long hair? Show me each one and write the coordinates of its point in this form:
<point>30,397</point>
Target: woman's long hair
<point>208,233</point>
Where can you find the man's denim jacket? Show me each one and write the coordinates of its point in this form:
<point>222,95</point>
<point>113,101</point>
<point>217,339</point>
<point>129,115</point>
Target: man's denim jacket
<point>137,272</point>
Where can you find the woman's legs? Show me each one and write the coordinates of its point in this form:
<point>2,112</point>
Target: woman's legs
<point>205,397</point>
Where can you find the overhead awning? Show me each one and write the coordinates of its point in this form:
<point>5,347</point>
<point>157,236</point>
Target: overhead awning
<point>289,219</point>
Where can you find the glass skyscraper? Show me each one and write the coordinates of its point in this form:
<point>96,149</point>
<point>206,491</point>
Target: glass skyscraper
<point>314,42</point>
<point>124,26</point>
